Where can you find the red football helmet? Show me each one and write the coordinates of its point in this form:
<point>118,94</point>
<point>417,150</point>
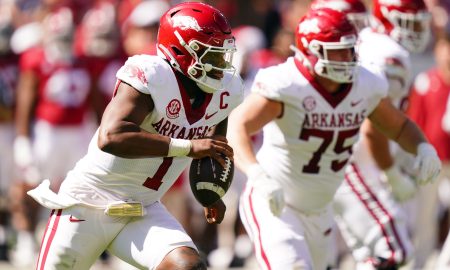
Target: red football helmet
<point>98,31</point>
<point>406,21</point>
<point>321,31</point>
<point>355,10</point>
<point>58,31</point>
<point>196,39</point>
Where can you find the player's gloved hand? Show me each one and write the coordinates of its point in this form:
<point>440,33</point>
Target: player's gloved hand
<point>267,188</point>
<point>24,160</point>
<point>215,213</point>
<point>427,164</point>
<point>402,186</point>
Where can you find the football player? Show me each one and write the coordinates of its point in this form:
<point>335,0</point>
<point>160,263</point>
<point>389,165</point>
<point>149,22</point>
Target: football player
<point>164,112</point>
<point>355,10</point>
<point>311,108</point>
<point>369,214</point>
<point>429,106</point>
<point>52,132</point>
<point>9,72</point>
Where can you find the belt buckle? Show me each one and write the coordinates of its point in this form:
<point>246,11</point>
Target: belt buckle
<point>125,209</point>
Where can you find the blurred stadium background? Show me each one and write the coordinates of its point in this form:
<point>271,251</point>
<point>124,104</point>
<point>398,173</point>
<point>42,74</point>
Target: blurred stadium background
<point>104,33</point>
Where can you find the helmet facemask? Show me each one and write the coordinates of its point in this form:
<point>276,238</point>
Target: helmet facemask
<point>411,30</point>
<point>210,63</point>
<point>338,71</point>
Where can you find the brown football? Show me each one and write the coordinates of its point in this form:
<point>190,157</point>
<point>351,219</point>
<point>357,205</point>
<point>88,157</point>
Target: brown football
<point>209,180</point>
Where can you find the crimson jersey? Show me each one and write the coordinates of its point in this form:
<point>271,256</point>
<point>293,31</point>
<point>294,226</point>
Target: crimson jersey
<point>307,148</point>
<point>8,80</point>
<point>103,72</point>
<point>102,178</point>
<point>428,101</point>
<point>63,88</point>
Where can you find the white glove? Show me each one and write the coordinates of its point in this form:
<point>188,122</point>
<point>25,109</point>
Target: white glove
<point>427,164</point>
<point>267,188</point>
<point>402,185</point>
<point>24,160</point>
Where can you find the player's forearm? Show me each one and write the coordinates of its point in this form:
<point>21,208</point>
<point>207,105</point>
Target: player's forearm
<point>240,140</point>
<point>128,140</point>
<point>410,136</point>
<point>24,114</point>
<point>23,121</point>
<point>378,145</point>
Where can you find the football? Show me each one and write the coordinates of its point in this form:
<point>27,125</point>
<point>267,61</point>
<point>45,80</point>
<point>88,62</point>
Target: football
<point>209,180</point>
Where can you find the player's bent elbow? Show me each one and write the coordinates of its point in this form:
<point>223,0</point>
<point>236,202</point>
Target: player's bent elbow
<point>105,141</point>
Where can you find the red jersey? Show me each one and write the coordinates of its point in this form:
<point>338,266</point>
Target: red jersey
<point>63,88</point>
<point>427,105</point>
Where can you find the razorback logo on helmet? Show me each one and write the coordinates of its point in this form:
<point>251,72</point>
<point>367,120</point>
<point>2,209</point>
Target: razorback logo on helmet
<point>173,109</point>
<point>309,103</point>
<point>186,22</point>
<point>391,2</point>
<point>309,26</point>
<point>136,72</point>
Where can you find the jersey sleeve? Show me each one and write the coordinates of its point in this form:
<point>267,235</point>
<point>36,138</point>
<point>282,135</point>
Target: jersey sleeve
<point>137,72</point>
<point>268,84</point>
<point>379,86</point>
<point>30,60</point>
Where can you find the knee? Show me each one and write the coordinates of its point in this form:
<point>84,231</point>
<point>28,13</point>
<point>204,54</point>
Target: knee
<point>182,258</point>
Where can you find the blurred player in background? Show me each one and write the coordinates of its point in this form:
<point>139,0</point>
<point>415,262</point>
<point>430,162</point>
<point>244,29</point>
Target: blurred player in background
<point>52,130</point>
<point>140,30</point>
<point>8,79</point>
<point>428,108</point>
<point>311,108</point>
<point>369,214</point>
<point>98,42</point>
<point>166,110</point>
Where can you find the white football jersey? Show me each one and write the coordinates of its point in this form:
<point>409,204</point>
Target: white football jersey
<point>102,178</point>
<point>380,51</point>
<point>307,148</point>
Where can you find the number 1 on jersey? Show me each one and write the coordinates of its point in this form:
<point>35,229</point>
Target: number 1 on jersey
<point>156,181</point>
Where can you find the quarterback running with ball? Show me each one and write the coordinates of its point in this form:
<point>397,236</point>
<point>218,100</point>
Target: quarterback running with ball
<point>166,110</point>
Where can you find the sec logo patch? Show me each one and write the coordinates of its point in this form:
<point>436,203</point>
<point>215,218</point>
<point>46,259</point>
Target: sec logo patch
<point>173,109</point>
<point>309,103</point>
